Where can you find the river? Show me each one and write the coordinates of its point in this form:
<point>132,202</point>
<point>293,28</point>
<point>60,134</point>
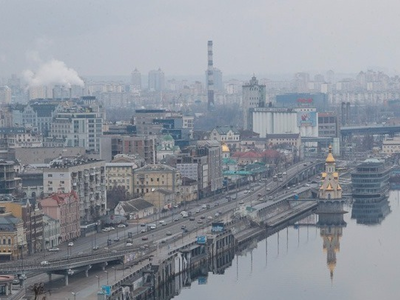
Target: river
<point>293,263</point>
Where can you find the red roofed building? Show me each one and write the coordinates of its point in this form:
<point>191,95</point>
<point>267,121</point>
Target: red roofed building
<point>65,208</point>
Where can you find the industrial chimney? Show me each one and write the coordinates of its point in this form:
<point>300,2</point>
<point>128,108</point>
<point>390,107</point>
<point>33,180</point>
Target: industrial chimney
<point>210,77</point>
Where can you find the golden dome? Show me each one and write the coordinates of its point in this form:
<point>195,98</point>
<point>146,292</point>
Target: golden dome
<point>225,148</point>
<point>330,158</point>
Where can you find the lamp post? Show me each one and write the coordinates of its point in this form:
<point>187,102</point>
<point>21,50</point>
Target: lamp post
<point>107,276</point>
<point>115,273</point>
<point>98,281</point>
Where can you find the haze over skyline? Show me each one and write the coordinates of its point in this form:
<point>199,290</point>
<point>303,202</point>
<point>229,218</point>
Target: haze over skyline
<point>262,37</point>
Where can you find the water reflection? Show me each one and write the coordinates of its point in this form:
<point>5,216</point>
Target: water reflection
<point>370,211</point>
<point>331,223</point>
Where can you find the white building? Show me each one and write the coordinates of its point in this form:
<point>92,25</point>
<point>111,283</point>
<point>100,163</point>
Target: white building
<point>391,145</point>
<point>87,177</point>
<point>272,120</point>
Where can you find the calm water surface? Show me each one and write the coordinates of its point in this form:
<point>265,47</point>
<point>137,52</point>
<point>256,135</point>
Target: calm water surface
<point>293,263</point>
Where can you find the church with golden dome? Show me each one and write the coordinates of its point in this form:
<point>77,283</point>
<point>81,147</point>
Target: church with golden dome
<point>330,188</point>
<point>330,212</point>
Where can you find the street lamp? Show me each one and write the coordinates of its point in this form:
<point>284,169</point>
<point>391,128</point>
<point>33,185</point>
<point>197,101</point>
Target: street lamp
<point>74,294</point>
<point>98,281</point>
<point>107,276</point>
<point>115,273</point>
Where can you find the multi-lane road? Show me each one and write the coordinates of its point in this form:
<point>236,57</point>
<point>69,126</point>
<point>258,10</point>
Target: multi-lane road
<point>175,226</point>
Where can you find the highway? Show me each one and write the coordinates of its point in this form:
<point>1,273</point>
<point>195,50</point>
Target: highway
<point>82,250</point>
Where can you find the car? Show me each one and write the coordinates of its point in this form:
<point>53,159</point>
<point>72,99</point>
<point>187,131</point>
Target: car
<point>192,219</point>
<point>116,239</point>
<point>241,202</point>
<point>70,244</point>
<point>185,230</point>
<point>202,217</point>
<point>128,244</point>
<point>284,173</point>
<point>105,229</point>
<point>209,218</point>
<point>268,189</point>
<point>176,219</point>
<point>220,212</point>
<point>183,226</point>
<point>143,230</point>
<point>44,263</point>
<point>197,211</point>
<point>95,248</point>
<point>111,228</point>
<point>143,225</point>
<point>114,251</point>
<point>145,238</point>
<point>199,221</point>
<point>216,204</point>
<point>121,226</point>
<point>217,214</point>
<point>168,233</point>
<point>55,249</point>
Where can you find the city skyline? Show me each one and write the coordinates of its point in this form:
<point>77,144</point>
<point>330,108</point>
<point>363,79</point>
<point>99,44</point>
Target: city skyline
<point>263,38</point>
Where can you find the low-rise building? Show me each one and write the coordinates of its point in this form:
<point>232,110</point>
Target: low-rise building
<point>51,232</point>
<point>228,135</point>
<point>391,145</point>
<point>189,190</point>
<point>65,208</point>
<point>162,198</point>
<point>134,209</point>
<point>13,244</point>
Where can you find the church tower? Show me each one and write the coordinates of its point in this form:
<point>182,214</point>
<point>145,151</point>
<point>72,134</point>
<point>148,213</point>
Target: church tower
<point>330,211</point>
<point>330,188</point>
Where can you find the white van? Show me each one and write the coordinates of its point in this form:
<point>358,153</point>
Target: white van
<point>151,226</point>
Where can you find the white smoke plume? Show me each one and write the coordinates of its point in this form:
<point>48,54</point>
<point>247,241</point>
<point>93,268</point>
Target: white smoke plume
<point>51,73</point>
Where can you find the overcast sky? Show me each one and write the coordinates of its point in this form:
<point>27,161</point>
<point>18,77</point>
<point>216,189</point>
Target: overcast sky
<point>103,37</point>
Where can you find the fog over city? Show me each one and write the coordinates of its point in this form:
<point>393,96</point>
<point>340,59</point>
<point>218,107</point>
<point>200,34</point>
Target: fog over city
<point>261,37</point>
<point>184,149</point>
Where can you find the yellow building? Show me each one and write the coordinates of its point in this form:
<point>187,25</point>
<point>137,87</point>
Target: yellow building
<point>120,174</point>
<point>156,176</point>
<point>12,238</point>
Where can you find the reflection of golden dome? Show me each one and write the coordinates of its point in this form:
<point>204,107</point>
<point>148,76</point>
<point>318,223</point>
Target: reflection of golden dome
<point>330,158</point>
<point>225,148</point>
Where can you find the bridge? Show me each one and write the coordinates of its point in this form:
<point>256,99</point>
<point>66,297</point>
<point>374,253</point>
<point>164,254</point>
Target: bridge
<point>74,264</point>
<point>369,129</point>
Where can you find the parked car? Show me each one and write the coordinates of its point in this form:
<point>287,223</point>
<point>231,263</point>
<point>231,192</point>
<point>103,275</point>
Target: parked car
<point>192,219</point>
<point>145,238</point>
<point>129,244</point>
<point>70,244</point>
<point>116,239</point>
<point>121,226</point>
<point>44,263</point>
<point>95,248</point>
<point>106,229</point>
<point>168,233</point>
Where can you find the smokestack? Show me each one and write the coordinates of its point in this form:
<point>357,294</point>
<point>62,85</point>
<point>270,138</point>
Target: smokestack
<point>210,77</point>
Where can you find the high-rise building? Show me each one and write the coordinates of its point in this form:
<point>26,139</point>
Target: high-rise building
<point>84,176</point>
<point>156,80</point>
<point>254,96</point>
<point>136,80</point>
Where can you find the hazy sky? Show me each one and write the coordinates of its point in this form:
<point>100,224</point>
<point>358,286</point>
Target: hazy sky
<point>103,37</point>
